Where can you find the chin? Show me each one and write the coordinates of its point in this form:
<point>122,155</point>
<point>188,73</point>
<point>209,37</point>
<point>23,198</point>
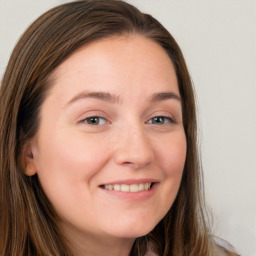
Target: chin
<point>138,229</point>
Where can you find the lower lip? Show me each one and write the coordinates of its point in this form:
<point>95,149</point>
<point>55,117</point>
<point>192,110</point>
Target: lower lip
<point>137,196</point>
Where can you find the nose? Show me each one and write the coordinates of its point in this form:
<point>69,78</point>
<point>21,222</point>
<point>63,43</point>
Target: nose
<point>133,148</point>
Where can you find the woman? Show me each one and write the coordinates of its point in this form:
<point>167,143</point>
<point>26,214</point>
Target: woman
<point>98,139</point>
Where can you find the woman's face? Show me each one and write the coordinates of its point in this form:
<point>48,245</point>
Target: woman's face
<point>111,147</point>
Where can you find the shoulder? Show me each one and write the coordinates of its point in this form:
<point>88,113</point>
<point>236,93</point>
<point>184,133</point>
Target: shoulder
<point>223,248</point>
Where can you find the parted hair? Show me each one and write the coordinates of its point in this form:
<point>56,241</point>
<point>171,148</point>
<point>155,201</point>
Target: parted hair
<point>29,225</point>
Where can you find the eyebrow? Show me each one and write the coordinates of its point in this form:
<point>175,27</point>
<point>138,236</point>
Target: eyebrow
<point>164,96</point>
<point>106,96</point>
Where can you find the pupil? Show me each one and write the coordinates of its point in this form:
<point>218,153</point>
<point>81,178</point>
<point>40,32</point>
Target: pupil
<point>93,120</point>
<point>158,120</point>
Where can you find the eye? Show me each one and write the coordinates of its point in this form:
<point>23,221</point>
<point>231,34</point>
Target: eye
<point>160,120</point>
<point>94,120</point>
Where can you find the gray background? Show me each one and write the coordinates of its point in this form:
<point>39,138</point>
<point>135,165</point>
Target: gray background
<point>218,39</point>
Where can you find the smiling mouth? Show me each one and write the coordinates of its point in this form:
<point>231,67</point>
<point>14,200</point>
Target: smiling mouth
<point>128,188</point>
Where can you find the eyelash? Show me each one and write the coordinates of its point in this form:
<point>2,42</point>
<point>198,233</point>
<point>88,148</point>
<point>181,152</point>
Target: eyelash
<point>167,119</point>
<point>98,120</point>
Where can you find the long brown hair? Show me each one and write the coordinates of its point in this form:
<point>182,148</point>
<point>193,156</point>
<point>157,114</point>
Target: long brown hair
<point>28,223</point>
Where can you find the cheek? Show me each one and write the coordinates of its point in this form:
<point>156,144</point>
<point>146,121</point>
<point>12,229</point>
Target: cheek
<point>175,161</point>
<point>66,170</point>
<point>70,161</point>
<point>172,159</point>
<point>172,155</point>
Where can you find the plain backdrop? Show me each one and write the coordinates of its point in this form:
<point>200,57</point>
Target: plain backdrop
<point>218,39</point>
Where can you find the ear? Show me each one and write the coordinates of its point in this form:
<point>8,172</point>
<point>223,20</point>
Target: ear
<point>28,161</point>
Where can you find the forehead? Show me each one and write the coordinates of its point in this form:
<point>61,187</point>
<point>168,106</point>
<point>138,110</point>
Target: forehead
<point>129,61</point>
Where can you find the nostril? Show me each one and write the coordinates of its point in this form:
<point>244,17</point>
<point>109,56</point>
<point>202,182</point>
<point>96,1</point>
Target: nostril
<point>128,163</point>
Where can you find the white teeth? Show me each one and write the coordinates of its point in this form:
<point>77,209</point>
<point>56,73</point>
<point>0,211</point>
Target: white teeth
<point>128,188</point>
<point>147,186</point>
<point>116,187</point>
<point>141,187</point>
<point>125,188</point>
<point>134,188</point>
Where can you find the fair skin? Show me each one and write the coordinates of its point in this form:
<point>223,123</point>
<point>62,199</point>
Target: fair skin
<point>112,120</point>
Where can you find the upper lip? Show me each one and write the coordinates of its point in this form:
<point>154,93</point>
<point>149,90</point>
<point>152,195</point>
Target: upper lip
<point>131,181</point>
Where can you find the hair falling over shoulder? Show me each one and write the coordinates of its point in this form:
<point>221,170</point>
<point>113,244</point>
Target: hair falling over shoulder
<point>29,225</point>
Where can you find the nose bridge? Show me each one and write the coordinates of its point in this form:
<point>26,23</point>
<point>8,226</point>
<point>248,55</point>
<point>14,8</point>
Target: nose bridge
<point>134,147</point>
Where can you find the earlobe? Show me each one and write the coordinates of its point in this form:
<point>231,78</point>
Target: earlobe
<point>30,169</point>
<point>28,162</point>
